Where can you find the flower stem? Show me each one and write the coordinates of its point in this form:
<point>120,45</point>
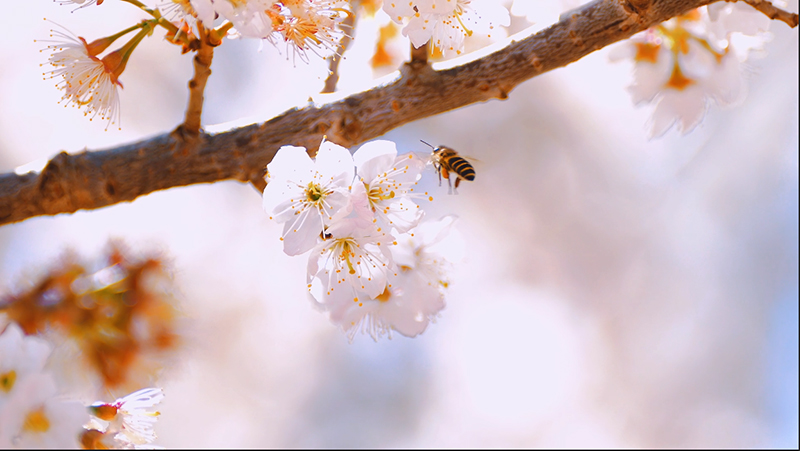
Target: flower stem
<point>202,70</point>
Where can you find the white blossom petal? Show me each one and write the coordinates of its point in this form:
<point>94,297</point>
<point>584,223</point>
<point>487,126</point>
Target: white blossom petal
<point>686,107</point>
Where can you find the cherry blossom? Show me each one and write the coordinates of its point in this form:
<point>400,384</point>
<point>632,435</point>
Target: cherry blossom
<point>412,296</point>
<point>351,260</point>
<point>688,62</point>
<point>88,82</point>
<point>250,18</point>
<point>21,356</point>
<point>189,11</point>
<point>305,195</point>
<point>446,23</point>
<point>36,418</point>
<point>389,181</point>
<point>130,419</point>
<point>31,415</point>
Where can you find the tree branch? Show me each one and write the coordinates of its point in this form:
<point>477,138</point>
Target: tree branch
<point>773,12</point>
<point>95,179</point>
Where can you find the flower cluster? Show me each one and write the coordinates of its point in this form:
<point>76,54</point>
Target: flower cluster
<point>686,62</point>
<point>304,25</point>
<point>370,267</point>
<point>446,23</point>
<point>91,81</point>
<point>33,414</point>
<point>116,327</point>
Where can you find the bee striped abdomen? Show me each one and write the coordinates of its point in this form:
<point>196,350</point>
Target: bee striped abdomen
<point>462,168</point>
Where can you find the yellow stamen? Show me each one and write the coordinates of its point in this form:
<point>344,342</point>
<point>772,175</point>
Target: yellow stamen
<point>646,51</point>
<point>314,192</point>
<point>36,421</point>
<point>677,80</point>
<point>458,17</point>
<point>347,253</point>
<point>384,297</point>
<point>7,381</point>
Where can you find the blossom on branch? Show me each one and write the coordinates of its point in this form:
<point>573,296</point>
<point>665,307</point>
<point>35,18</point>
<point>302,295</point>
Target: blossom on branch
<point>358,271</point>
<point>413,294</point>
<point>305,195</point>
<point>446,23</point>
<point>389,181</point>
<point>349,261</point>
<point>189,11</point>
<point>311,25</point>
<point>250,18</point>
<point>88,82</point>
<point>687,62</point>
<point>304,25</point>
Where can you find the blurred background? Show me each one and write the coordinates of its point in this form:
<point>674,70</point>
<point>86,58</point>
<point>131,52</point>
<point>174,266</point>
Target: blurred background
<point>617,291</point>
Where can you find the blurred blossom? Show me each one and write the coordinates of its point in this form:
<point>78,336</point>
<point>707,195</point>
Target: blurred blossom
<point>20,356</point>
<point>250,18</point>
<point>685,63</point>
<point>445,23</point>
<point>188,12</point>
<point>116,327</point>
<point>388,54</point>
<point>37,418</point>
<point>304,25</point>
<point>31,415</point>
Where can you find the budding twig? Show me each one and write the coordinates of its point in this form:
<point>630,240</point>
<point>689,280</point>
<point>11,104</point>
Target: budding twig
<point>773,12</point>
<point>197,85</point>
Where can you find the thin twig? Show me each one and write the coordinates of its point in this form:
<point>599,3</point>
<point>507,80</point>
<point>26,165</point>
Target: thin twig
<point>197,85</point>
<point>349,23</point>
<point>95,179</point>
<point>773,12</point>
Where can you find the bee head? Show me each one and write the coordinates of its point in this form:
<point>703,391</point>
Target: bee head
<point>436,150</point>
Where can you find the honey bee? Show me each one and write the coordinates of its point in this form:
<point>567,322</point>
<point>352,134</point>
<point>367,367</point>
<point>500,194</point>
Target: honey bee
<point>446,160</point>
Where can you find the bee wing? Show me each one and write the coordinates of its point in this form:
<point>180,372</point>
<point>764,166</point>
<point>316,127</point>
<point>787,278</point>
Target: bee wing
<point>473,161</point>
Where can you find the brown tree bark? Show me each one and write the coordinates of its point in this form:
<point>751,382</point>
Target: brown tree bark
<point>95,179</point>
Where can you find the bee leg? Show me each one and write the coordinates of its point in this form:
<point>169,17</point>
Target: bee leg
<point>450,186</point>
<point>458,180</point>
<point>443,172</point>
